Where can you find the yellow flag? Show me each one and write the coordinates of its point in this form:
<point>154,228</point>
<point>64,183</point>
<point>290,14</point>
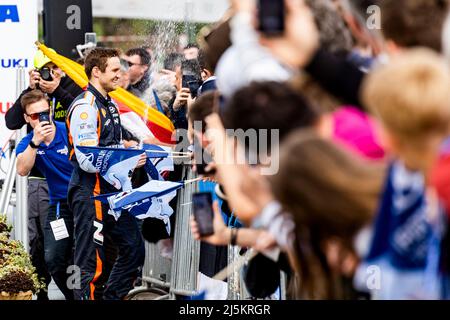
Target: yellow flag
<point>76,72</point>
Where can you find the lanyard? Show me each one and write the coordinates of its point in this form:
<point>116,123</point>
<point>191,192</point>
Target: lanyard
<point>57,210</point>
<point>54,108</point>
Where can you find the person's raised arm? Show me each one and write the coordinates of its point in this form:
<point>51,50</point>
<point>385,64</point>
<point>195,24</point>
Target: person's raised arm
<point>299,47</point>
<point>244,237</point>
<point>26,155</point>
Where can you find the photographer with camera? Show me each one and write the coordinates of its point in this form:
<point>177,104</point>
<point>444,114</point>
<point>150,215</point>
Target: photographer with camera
<point>46,147</point>
<point>48,78</point>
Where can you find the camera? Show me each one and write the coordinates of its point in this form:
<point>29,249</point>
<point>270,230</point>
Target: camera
<point>271,15</point>
<point>46,74</point>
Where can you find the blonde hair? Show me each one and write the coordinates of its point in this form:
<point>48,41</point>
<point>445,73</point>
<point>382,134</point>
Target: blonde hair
<point>410,95</point>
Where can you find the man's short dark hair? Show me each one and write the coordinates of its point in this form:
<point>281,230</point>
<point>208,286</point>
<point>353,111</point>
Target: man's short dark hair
<point>30,97</point>
<point>268,105</point>
<point>172,61</point>
<point>203,107</point>
<point>142,53</point>
<point>98,57</point>
<point>414,23</point>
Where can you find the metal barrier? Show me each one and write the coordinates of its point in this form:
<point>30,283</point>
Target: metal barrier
<point>21,213</point>
<point>165,279</point>
<point>20,217</point>
<point>156,268</point>
<point>186,250</point>
<point>155,276</point>
<point>234,280</point>
<point>8,184</point>
<point>183,271</point>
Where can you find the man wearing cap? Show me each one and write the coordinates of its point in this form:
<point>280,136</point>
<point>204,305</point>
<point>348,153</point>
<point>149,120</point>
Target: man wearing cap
<point>61,90</point>
<point>47,77</point>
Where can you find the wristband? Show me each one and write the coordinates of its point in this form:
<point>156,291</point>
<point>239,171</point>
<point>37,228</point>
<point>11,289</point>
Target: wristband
<point>233,236</point>
<point>32,145</point>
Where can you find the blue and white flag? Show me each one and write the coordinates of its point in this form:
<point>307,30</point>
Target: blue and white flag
<point>155,151</point>
<point>151,170</point>
<point>161,157</point>
<point>150,200</point>
<point>155,207</point>
<point>400,247</point>
<point>115,165</point>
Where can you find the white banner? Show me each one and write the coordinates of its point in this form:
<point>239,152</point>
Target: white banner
<point>19,31</point>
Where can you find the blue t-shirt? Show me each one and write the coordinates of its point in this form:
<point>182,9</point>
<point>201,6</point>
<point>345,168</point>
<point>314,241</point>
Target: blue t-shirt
<point>53,162</point>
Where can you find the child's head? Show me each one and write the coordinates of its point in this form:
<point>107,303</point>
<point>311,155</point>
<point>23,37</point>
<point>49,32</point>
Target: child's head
<point>411,98</point>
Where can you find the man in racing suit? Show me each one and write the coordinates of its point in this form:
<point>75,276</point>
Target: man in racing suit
<point>93,120</point>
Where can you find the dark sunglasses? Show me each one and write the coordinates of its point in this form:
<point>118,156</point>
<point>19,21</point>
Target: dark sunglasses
<point>130,64</point>
<point>35,116</point>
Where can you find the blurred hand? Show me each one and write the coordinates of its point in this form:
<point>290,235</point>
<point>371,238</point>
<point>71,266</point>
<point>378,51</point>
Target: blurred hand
<point>170,75</point>
<point>256,187</point>
<point>265,241</point>
<point>142,160</point>
<point>221,234</point>
<point>50,86</point>
<point>243,5</point>
<point>34,78</point>
<point>301,37</point>
<point>182,98</point>
<point>42,131</point>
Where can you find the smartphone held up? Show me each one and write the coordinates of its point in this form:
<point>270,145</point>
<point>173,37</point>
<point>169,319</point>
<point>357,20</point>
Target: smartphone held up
<point>44,116</point>
<point>271,17</point>
<point>203,212</point>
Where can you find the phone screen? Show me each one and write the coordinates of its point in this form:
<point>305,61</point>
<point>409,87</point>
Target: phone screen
<point>186,79</point>
<point>90,37</point>
<point>203,212</point>
<point>44,116</point>
<point>271,16</point>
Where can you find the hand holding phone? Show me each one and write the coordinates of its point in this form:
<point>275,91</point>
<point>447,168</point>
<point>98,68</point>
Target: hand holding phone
<point>271,16</point>
<point>203,212</point>
<point>45,116</point>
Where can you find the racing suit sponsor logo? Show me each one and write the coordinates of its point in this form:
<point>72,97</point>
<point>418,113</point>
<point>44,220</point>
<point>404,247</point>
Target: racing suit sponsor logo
<point>98,236</point>
<point>88,143</point>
